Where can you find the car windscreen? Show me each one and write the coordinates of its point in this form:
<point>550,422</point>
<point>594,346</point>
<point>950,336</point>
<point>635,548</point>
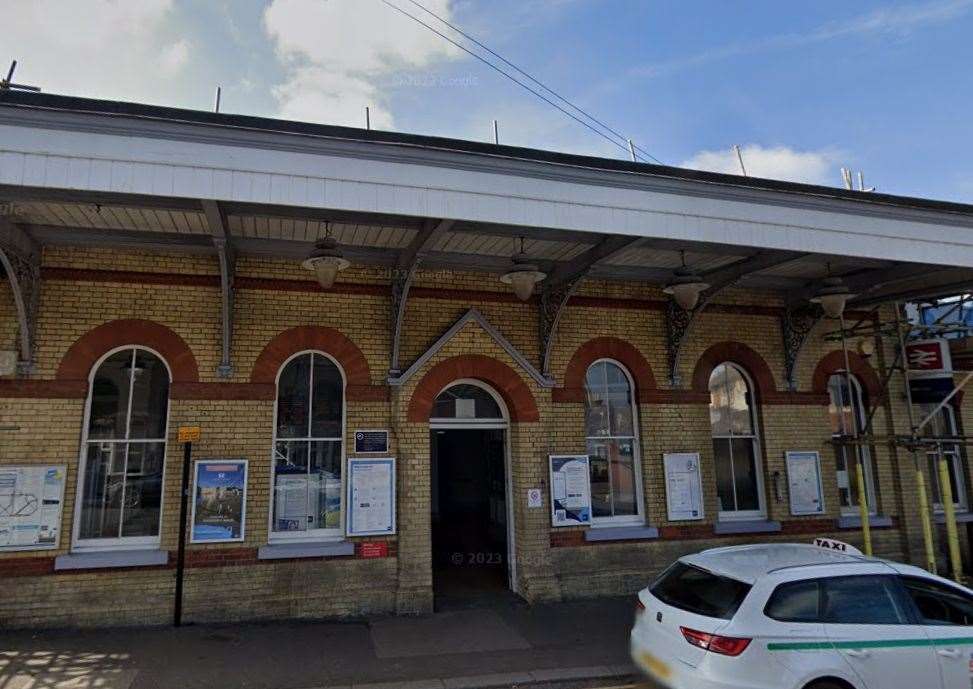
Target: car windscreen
<point>698,591</point>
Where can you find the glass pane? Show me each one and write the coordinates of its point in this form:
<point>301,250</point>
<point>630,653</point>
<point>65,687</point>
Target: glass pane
<point>597,411</point>
<point>795,602</point>
<point>724,474</point>
<point>719,404</point>
<point>745,474</point>
<point>324,485</point>
<point>293,413</point>
<point>738,391</point>
<point>953,464</point>
<point>109,397</point>
<point>845,484</point>
<point>466,401</point>
<point>143,489</point>
<point>600,469</point>
<point>939,604</point>
<point>150,397</point>
<point>698,591</point>
<point>620,401</point>
<point>862,600</point>
<point>102,490</point>
<point>291,486</point>
<point>839,409</point>
<point>326,405</point>
<point>623,477</point>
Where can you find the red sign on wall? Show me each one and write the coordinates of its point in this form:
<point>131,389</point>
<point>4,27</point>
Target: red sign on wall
<point>369,550</point>
<point>928,355</point>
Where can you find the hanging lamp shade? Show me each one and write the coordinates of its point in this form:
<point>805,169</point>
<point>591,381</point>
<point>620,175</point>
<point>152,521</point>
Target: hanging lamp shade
<point>325,261</point>
<point>832,295</point>
<point>523,276</point>
<point>686,286</point>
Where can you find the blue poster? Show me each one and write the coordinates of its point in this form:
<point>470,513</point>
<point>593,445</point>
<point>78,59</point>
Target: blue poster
<point>570,490</point>
<point>219,501</point>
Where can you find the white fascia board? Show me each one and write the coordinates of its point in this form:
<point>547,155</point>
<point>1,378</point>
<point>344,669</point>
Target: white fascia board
<point>270,168</point>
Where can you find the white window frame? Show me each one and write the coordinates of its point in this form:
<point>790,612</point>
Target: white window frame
<point>864,452</point>
<point>336,534</point>
<point>79,544</point>
<point>955,459</point>
<point>639,516</point>
<point>453,422</point>
<point>761,512</point>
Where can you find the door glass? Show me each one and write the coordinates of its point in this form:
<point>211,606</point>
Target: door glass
<point>862,600</point>
<point>939,604</point>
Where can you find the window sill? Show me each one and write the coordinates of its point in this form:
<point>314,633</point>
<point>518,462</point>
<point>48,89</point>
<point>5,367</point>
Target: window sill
<point>105,559</point>
<point>855,522</point>
<point>286,551</point>
<point>746,526</point>
<point>621,533</point>
<point>961,517</point>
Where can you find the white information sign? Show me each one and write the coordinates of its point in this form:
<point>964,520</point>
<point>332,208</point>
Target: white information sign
<point>534,498</point>
<point>371,496</point>
<point>31,498</point>
<point>684,486</point>
<point>804,483</point>
<point>570,490</point>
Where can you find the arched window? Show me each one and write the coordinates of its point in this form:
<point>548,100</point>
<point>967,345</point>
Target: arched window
<point>943,425</point>
<point>466,403</point>
<point>124,451</point>
<point>847,411</point>
<point>739,485</point>
<point>308,437</point>
<point>612,438</point>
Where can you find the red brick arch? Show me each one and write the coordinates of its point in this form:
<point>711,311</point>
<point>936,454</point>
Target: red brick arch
<point>515,393</point>
<point>605,348</point>
<point>740,354</point>
<point>860,368</point>
<point>358,384</point>
<point>81,356</point>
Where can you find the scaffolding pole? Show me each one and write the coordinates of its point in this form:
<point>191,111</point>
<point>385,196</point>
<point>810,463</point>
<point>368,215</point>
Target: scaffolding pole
<point>863,511</point>
<point>949,512</point>
<point>920,478</point>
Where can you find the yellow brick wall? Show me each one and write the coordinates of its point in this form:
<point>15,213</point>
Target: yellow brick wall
<point>49,431</point>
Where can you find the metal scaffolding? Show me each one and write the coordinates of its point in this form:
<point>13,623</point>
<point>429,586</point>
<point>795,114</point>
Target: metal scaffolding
<point>914,442</point>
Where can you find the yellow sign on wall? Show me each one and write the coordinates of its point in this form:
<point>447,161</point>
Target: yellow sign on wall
<point>189,434</point>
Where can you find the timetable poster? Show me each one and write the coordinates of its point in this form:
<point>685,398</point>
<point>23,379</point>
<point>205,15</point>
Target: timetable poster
<point>371,496</point>
<point>804,483</point>
<point>684,489</point>
<point>570,490</point>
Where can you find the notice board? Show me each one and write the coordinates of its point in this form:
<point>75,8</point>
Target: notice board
<point>371,496</point>
<point>804,483</point>
<point>570,490</point>
<point>31,500</point>
<point>684,486</point>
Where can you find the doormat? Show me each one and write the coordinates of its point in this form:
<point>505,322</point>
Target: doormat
<point>463,631</point>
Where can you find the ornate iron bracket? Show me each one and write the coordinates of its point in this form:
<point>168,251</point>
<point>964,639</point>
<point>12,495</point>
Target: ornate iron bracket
<point>20,259</point>
<point>678,324</point>
<point>401,283</point>
<point>553,300</point>
<point>796,324</point>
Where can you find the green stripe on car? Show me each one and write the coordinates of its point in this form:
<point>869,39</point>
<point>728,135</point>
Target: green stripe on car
<point>877,643</point>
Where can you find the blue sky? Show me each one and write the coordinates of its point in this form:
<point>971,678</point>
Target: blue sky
<point>804,88</point>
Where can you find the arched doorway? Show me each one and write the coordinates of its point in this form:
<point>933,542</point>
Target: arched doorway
<point>472,535</point>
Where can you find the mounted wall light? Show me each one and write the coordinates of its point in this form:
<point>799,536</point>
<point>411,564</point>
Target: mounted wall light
<point>326,259</point>
<point>832,295</point>
<point>523,276</point>
<point>686,285</point>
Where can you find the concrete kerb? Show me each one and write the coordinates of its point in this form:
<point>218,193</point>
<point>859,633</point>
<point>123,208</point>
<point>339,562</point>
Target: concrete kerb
<point>504,679</point>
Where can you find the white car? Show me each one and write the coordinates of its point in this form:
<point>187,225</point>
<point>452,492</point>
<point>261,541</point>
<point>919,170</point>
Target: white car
<point>790,616</point>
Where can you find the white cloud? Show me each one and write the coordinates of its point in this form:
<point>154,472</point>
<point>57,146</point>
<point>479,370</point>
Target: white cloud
<point>337,54</point>
<point>104,48</point>
<point>779,162</point>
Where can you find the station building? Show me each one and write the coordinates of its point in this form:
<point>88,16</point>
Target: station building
<point>156,280</point>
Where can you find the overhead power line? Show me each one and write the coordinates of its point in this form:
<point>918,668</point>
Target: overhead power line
<point>526,87</point>
<point>624,139</point>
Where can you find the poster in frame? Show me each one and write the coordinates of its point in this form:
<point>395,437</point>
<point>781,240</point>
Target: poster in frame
<point>219,501</point>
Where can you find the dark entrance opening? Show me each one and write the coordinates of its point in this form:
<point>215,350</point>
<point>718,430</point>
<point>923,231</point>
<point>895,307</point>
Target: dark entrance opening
<point>469,515</point>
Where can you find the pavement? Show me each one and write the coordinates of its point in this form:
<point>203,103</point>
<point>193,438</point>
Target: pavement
<point>504,644</point>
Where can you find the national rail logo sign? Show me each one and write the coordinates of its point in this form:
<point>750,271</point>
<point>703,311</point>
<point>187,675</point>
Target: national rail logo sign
<point>930,370</point>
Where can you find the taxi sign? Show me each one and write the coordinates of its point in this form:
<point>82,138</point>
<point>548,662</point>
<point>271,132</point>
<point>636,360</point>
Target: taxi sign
<point>189,434</point>
<point>839,546</point>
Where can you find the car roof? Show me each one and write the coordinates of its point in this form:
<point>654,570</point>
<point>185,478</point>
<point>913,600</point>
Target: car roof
<point>748,563</point>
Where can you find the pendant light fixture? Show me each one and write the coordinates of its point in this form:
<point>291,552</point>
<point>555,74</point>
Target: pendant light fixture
<point>686,285</point>
<point>832,295</point>
<point>326,259</point>
<point>523,276</point>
